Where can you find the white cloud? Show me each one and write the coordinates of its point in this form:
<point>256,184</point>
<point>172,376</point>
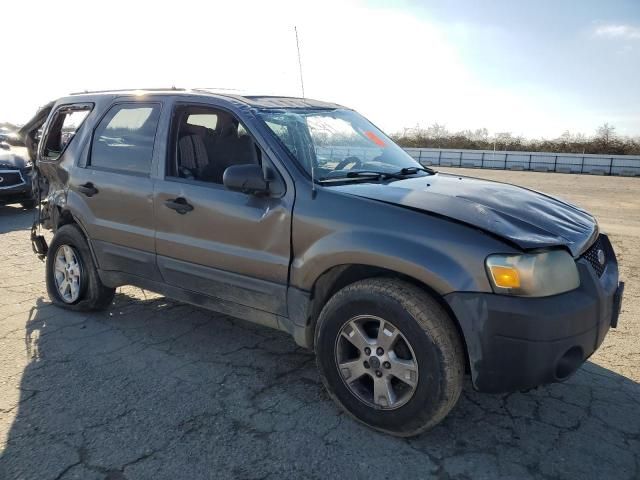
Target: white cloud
<point>618,31</point>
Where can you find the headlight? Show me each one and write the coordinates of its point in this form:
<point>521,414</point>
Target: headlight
<point>533,274</point>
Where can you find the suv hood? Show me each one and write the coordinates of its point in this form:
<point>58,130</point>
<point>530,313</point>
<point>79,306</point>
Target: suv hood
<point>527,218</point>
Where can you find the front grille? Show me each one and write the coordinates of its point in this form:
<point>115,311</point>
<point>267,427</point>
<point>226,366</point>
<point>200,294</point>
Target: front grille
<point>591,256</point>
<point>10,178</point>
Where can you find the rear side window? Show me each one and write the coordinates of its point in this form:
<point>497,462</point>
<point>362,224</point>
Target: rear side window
<point>64,125</point>
<point>123,140</point>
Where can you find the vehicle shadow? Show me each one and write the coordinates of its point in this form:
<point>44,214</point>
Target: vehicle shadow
<point>153,388</point>
<point>15,217</point>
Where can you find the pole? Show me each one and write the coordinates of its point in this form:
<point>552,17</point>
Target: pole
<point>299,61</point>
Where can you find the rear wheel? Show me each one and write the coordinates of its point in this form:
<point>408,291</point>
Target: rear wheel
<point>390,356</point>
<point>72,278</point>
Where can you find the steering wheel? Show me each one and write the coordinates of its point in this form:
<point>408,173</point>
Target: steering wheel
<point>355,160</point>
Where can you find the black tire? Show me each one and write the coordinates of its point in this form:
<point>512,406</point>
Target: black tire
<point>433,337</point>
<point>93,294</point>
<point>29,204</point>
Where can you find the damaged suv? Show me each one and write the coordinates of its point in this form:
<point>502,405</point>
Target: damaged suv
<point>301,215</point>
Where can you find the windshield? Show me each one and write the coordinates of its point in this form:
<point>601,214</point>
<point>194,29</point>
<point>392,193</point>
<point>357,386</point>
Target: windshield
<point>336,143</point>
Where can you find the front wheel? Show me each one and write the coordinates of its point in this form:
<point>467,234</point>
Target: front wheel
<point>72,278</point>
<point>390,356</point>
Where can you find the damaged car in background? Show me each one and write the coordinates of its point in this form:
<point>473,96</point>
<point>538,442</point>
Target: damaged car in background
<point>16,179</point>
<point>302,216</point>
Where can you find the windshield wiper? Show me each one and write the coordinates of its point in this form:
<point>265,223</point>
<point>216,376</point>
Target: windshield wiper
<point>372,174</point>
<point>376,174</point>
<point>414,170</point>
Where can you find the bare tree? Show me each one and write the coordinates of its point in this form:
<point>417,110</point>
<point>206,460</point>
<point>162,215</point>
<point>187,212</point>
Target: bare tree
<point>606,134</point>
<point>437,131</point>
<point>605,141</point>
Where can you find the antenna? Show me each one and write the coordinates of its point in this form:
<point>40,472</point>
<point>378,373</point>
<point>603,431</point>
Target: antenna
<point>313,175</point>
<point>299,61</point>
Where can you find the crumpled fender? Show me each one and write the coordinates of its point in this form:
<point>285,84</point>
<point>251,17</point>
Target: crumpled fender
<point>443,271</point>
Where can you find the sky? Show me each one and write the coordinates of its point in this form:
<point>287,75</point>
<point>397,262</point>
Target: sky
<point>535,68</point>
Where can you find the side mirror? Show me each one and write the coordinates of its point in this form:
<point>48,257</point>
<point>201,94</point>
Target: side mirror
<point>246,179</point>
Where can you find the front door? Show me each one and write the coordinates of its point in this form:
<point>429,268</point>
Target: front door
<point>232,247</point>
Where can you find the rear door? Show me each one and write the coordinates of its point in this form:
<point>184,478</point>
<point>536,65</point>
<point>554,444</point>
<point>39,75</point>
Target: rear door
<point>228,245</point>
<point>112,190</point>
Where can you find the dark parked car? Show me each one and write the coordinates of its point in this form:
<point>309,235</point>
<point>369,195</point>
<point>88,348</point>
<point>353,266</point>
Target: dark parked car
<point>9,137</point>
<point>302,216</point>
<point>15,180</point>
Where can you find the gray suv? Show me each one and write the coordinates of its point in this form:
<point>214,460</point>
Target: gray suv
<point>302,216</point>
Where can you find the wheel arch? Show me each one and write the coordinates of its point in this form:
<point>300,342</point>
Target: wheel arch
<point>336,278</point>
<point>61,216</point>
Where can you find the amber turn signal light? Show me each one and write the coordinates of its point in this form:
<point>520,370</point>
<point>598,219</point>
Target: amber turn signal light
<point>505,277</point>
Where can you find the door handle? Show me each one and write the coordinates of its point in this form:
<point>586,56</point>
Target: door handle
<point>88,189</point>
<point>179,204</point>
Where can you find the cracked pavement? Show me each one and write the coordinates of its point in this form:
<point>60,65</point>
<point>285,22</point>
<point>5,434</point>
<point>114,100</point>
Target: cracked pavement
<point>153,388</point>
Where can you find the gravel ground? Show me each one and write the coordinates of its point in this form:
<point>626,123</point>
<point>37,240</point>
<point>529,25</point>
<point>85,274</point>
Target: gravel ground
<point>153,388</point>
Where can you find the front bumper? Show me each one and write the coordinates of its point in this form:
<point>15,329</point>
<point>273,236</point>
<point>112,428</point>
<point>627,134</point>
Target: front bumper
<point>18,192</point>
<point>517,343</point>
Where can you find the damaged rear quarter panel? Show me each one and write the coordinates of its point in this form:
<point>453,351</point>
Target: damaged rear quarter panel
<point>56,172</point>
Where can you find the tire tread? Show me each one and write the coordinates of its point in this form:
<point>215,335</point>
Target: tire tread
<point>96,296</point>
<point>433,320</point>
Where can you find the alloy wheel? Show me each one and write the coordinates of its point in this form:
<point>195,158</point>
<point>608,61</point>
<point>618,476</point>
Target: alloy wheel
<point>376,362</point>
<point>68,273</point>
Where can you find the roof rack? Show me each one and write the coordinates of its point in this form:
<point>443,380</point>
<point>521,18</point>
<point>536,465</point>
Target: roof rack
<point>172,88</point>
<point>226,92</point>
<point>222,89</point>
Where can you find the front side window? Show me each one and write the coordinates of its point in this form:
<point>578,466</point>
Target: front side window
<point>336,142</point>
<point>206,142</point>
<point>124,139</point>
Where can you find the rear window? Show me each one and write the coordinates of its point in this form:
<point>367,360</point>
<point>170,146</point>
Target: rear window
<point>123,141</point>
<point>207,120</point>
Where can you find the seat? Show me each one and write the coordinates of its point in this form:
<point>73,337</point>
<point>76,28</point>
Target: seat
<point>234,149</point>
<point>246,151</point>
<point>192,156</point>
<point>205,154</point>
<point>229,149</point>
